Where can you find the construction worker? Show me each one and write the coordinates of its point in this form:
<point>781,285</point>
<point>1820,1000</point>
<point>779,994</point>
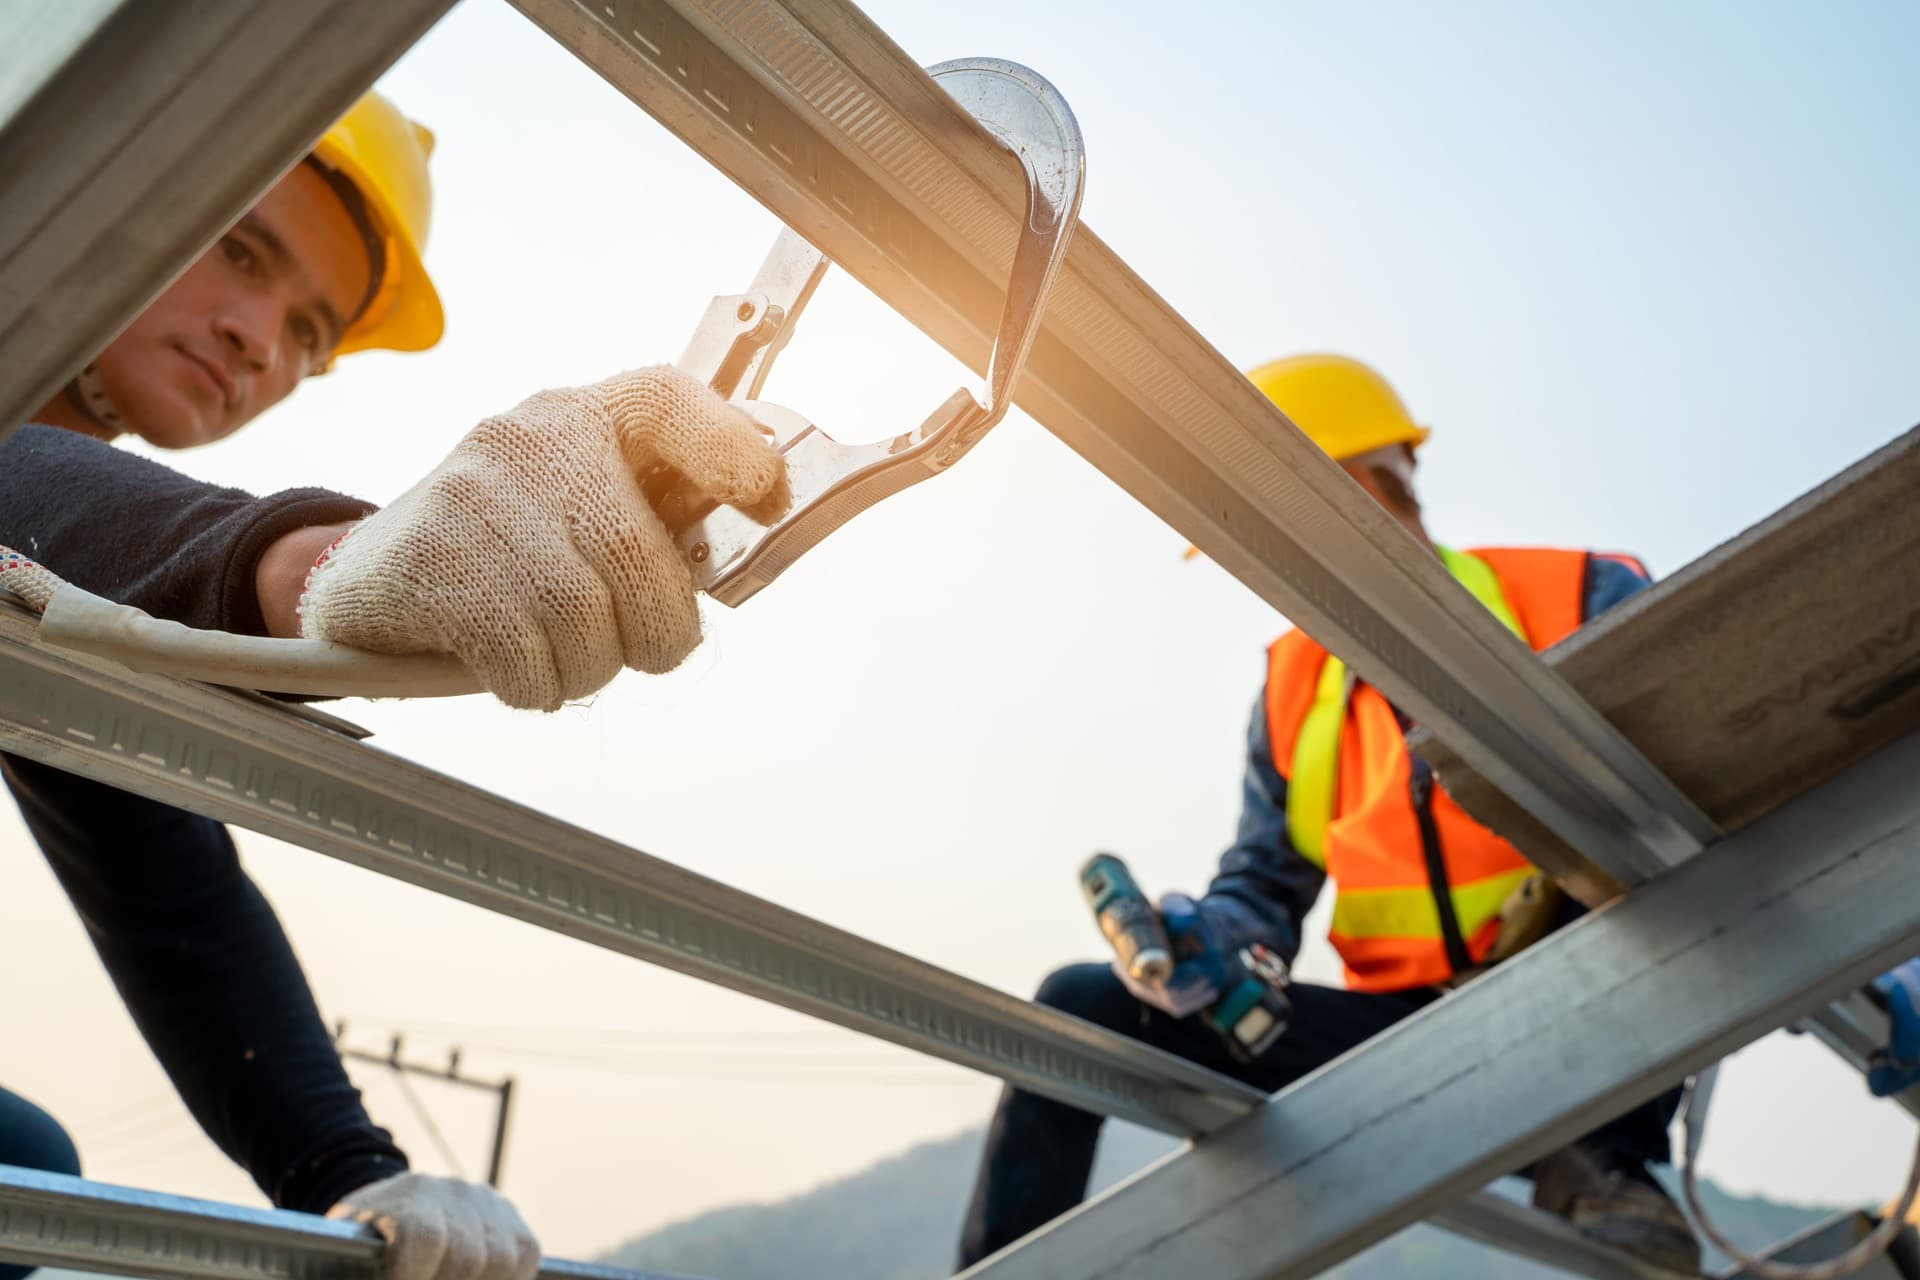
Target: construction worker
<point>529,553</point>
<point>1331,792</point>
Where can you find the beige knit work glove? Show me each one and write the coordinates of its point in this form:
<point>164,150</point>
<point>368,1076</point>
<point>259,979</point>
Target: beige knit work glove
<point>530,554</point>
<point>444,1229</point>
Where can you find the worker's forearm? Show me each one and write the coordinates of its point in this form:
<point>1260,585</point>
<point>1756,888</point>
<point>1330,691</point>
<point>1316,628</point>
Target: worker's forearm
<point>141,534</point>
<point>282,575</point>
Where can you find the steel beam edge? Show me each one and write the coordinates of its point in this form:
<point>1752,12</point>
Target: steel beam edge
<point>1762,928</point>
<point>815,113</point>
<point>53,1220</point>
<point>1499,1223</point>
<point>241,760</point>
<point>185,111</point>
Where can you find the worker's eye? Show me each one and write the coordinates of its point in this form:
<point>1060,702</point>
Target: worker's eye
<point>305,332</point>
<point>239,255</point>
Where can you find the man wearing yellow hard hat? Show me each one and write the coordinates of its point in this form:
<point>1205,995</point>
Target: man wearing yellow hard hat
<point>328,262</point>
<point>1424,896</point>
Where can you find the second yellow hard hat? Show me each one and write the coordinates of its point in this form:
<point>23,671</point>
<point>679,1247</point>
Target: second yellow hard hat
<point>1344,406</point>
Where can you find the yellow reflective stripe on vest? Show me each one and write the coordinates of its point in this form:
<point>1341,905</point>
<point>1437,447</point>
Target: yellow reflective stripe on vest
<point>1478,577</point>
<point>1411,913</point>
<point>1316,772</point>
<point>1313,775</point>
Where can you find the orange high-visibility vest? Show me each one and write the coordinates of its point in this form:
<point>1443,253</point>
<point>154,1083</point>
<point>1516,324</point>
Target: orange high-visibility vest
<point>1418,884</point>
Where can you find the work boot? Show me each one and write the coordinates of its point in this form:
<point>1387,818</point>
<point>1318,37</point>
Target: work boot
<point>1612,1198</point>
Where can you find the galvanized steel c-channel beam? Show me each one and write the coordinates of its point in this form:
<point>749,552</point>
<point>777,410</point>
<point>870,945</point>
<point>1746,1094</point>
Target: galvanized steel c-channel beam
<point>52,1220</point>
<point>247,761</point>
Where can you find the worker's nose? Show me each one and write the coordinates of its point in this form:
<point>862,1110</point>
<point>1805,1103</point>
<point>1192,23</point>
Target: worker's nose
<point>249,328</point>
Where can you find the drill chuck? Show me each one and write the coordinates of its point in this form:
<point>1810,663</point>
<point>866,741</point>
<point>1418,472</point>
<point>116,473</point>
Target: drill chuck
<point>1128,920</point>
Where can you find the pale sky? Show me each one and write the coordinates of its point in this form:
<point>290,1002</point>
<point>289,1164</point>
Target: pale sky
<point>1646,270</point>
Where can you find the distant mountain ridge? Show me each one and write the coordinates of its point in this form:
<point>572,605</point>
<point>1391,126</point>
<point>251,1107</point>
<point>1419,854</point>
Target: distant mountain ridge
<point>899,1219</point>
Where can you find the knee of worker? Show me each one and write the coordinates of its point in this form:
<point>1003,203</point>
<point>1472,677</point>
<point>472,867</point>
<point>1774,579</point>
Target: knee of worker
<point>1090,992</point>
<point>32,1139</point>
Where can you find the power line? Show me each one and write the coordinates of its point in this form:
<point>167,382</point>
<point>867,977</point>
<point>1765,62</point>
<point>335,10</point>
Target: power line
<point>465,1029</point>
<point>850,1063</point>
<point>788,1049</point>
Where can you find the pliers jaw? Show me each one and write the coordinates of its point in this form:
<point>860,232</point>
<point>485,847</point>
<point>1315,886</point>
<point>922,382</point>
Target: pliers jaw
<point>730,555</point>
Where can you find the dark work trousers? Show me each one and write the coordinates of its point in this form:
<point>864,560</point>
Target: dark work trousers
<point>32,1139</point>
<point>1039,1152</point>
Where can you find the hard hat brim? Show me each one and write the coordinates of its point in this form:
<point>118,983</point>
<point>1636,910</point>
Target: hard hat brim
<point>1366,441</point>
<point>405,313</point>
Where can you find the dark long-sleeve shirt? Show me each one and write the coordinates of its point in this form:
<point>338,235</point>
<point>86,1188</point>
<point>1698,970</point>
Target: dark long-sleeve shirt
<point>1264,883</point>
<point>142,534</point>
<point>189,940</point>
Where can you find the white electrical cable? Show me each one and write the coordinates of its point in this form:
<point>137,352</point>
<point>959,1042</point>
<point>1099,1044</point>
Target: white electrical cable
<point>1693,1111</point>
<point>72,618</point>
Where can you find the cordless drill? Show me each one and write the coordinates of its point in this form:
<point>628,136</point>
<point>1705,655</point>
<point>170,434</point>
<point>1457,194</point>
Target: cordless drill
<point>1253,1010</point>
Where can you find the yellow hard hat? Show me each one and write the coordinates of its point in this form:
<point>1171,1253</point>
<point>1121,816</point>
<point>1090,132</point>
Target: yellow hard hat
<point>1343,406</point>
<point>384,156</point>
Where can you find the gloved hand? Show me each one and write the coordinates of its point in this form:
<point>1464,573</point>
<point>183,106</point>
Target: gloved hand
<point>529,552</point>
<point>1897,1066</point>
<point>1203,944</point>
<point>444,1229</point>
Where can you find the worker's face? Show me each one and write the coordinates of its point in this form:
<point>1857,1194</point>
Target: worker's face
<point>1387,475</point>
<point>259,311</point>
